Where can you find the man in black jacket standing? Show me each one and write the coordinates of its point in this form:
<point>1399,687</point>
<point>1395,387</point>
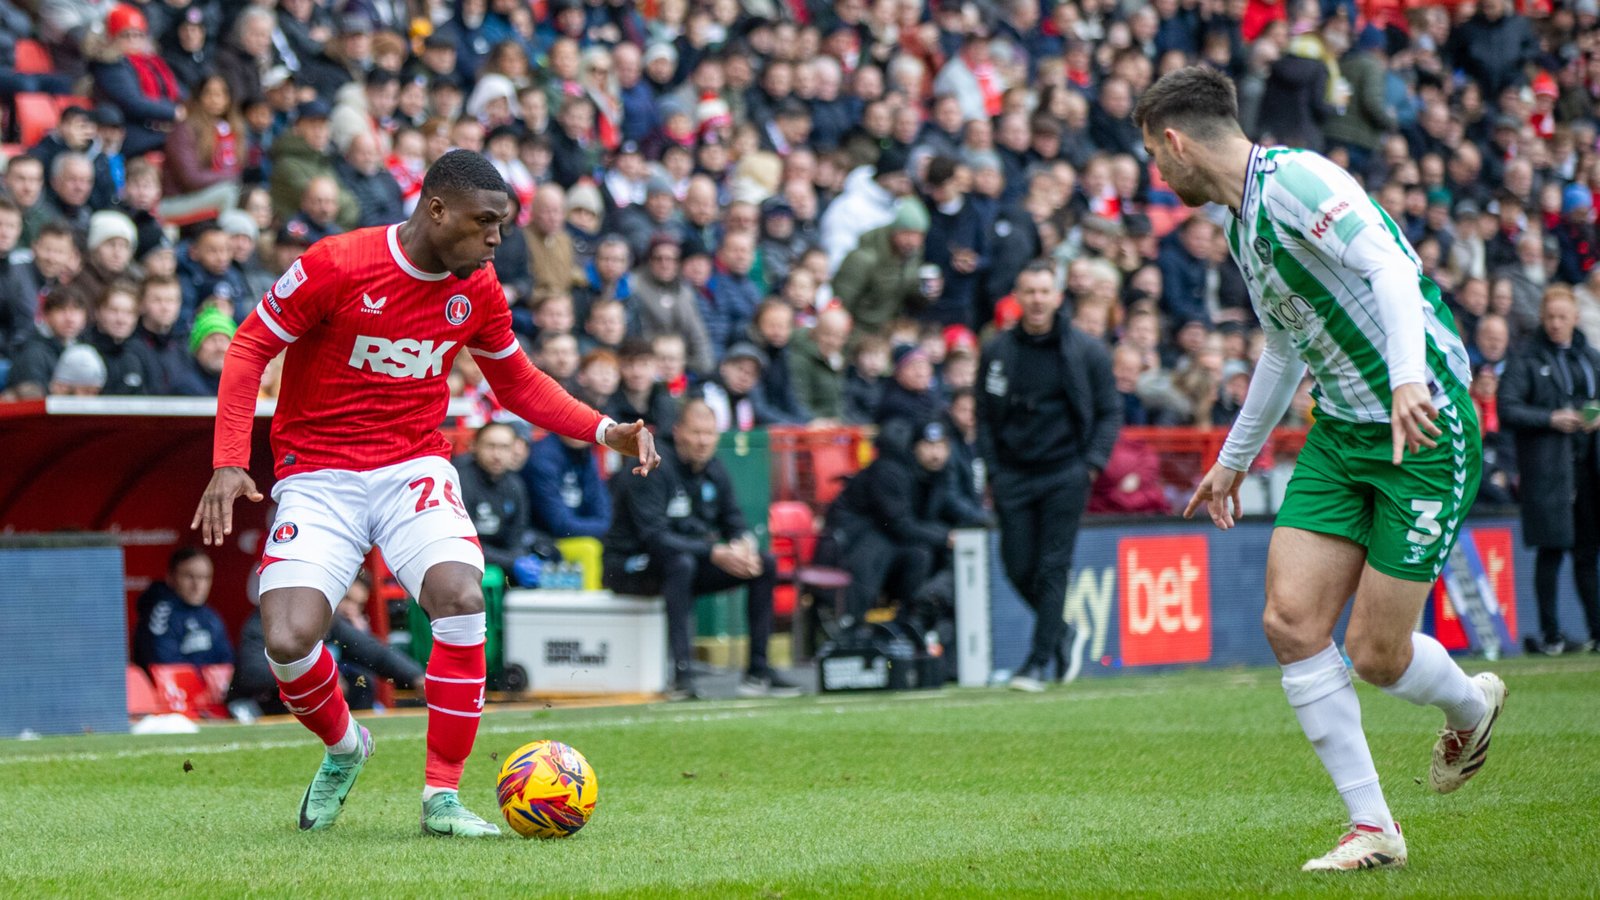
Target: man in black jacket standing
<point>680,533</point>
<point>1048,414</point>
<point>1550,398</point>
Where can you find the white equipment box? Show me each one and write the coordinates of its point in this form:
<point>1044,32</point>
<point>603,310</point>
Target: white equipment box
<point>587,642</point>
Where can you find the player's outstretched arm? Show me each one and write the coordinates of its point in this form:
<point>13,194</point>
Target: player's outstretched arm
<point>1216,490</point>
<point>214,517</point>
<point>538,398</point>
<point>252,347</point>
<point>634,440</point>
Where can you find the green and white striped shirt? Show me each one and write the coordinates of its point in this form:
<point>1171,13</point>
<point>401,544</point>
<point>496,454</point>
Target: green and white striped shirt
<point>1338,288</point>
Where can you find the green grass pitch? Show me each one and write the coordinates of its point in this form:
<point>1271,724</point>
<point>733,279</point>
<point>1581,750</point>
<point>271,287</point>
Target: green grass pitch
<point>1195,784</point>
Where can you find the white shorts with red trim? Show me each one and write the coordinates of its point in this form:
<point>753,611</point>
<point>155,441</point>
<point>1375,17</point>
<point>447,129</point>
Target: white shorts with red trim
<point>328,519</point>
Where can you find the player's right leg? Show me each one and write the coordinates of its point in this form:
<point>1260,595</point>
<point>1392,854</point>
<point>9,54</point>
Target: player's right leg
<point>1313,566</point>
<point>1309,578</point>
<point>311,556</point>
<point>293,621</point>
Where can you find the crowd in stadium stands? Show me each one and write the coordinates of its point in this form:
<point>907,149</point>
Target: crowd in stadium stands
<point>804,211</point>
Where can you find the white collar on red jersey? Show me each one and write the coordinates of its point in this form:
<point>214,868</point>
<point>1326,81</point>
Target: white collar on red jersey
<point>400,257</point>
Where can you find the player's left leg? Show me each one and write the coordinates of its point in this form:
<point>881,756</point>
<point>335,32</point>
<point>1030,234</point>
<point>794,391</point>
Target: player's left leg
<point>1418,508</point>
<point>1415,667</point>
<point>452,595</point>
<point>425,533</point>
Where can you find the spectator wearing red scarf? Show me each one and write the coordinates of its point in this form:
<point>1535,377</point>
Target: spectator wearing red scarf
<point>204,156</point>
<point>974,79</point>
<point>138,82</point>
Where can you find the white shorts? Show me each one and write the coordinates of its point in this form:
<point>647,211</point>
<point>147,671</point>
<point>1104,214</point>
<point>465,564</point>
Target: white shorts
<point>327,521</point>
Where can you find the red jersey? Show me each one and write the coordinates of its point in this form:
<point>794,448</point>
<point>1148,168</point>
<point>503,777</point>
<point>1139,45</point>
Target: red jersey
<point>371,340</point>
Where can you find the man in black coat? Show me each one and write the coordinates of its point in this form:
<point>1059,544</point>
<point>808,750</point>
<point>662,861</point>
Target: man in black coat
<point>494,497</point>
<point>679,533</point>
<point>957,242</point>
<point>893,522</point>
<point>361,172</point>
<point>1550,399</point>
<point>1492,46</point>
<point>1048,415</point>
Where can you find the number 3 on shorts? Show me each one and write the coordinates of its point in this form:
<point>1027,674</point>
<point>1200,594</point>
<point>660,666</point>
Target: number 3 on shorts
<point>1427,529</point>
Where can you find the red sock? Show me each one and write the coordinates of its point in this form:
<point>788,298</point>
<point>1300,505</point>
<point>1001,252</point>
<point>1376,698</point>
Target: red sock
<point>315,700</point>
<point>455,703</point>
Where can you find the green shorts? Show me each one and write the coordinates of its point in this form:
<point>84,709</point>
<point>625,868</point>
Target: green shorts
<point>1345,483</point>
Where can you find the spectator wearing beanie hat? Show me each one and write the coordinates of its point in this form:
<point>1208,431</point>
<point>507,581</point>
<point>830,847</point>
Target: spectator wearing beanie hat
<point>138,82</point>
<point>112,237</point>
<point>1576,235</point>
<point>910,395</point>
<point>208,347</point>
<point>243,236</point>
<point>878,281</point>
<point>80,372</point>
<point>585,210</point>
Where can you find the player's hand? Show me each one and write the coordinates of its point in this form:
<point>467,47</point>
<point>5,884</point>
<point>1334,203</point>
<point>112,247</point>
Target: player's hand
<point>1411,420</point>
<point>214,518</point>
<point>1566,421</point>
<point>635,440</point>
<point>1220,485</point>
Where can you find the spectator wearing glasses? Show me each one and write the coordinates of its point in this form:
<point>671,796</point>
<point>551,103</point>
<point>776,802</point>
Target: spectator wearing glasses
<point>138,81</point>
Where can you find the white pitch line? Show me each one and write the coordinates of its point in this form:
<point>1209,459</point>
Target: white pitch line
<point>728,710</point>
<point>722,711</point>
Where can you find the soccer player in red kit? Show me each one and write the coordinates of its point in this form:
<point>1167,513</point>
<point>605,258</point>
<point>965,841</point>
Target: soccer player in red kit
<point>372,321</point>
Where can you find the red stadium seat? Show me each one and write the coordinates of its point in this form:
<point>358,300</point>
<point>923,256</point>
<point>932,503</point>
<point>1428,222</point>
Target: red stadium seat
<point>33,58</point>
<point>831,464</point>
<point>142,697</point>
<point>36,115</point>
<point>185,691</point>
<point>217,678</point>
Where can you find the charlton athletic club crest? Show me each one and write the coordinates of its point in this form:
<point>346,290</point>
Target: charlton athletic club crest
<point>285,533</point>
<point>457,308</point>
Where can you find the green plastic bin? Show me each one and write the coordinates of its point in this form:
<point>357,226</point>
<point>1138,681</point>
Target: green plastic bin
<point>494,605</point>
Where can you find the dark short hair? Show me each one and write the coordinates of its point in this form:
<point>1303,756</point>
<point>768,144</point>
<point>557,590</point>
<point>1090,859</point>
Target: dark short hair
<point>940,170</point>
<point>546,338</point>
<point>635,348</point>
<point>25,160</point>
<point>155,281</point>
<point>1037,267</point>
<point>694,402</point>
<point>64,296</point>
<point>183,555</point>
<point>462,171</point>
<point>56,228</point>
<point>1198,100</point>
<point>484,429</point>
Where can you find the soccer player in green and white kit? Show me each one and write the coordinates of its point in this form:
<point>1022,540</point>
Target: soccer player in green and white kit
<point>1389,468</point>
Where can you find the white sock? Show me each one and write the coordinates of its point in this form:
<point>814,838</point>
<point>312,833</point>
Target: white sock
<point>289,671</point>
<point>350,742</point>
<point>1325,702</point>
<point>429,790</point>
<point>1434,679</point>
<point>463,631</point>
